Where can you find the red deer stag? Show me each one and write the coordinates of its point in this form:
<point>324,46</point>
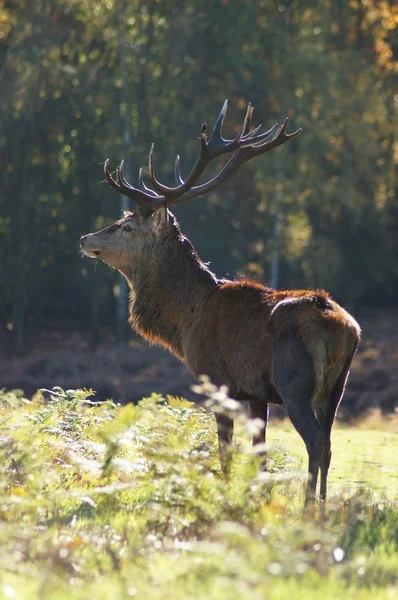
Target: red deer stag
<point>285,347</point>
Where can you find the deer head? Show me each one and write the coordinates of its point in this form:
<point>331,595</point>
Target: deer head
<point>127,243</point>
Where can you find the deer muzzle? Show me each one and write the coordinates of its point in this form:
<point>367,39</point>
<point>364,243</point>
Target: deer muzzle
<point>89,247</point>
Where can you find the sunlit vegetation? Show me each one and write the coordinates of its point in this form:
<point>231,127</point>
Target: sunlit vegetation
<point>104,501</point>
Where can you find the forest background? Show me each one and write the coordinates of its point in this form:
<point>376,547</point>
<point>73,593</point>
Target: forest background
<point>83,80</point>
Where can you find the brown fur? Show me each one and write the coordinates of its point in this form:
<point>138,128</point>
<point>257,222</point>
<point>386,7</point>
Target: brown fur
<point>291,347</point>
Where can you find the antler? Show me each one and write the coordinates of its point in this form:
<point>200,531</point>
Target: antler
<point>245,146</point>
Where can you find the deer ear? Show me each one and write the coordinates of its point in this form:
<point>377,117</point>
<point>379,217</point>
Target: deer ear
<point>160,218</point>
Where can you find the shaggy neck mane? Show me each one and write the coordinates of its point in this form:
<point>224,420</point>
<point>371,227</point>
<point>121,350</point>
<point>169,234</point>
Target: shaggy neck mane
<point>168,293</point>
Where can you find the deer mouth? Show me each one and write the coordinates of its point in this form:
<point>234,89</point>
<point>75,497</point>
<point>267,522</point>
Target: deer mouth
<point>92,253</point>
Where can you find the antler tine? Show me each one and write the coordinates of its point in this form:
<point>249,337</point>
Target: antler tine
<point>108,176</point>
<point>151,168</point>
<point>284,126</point>
<point>296,133</point>
<point>274,137</point>
<point>249,140</point>
<point>124,185</point>
<point>159,187</point>
<point>216,134</point>
<point>217,145</point>
<point>142,185</point>
<point>177,171</point>
<point>248,119</point>
<point>245,127</point>
<point>251,133</point>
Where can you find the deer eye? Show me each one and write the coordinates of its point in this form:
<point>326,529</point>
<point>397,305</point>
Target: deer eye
<point>127,228</point>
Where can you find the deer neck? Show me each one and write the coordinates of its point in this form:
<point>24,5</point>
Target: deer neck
<point>167,296</point>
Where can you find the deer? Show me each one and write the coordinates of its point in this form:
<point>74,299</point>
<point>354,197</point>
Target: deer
<point>267,346</point>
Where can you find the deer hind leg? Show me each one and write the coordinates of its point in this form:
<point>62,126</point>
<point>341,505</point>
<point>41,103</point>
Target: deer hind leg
<point>326,415</point>
<point>225,430</point>
<point>300,412</point>
<point>294,379</point>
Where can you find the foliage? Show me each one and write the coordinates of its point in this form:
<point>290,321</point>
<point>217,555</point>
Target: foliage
<point>109,501</point>
<point>329,65</point>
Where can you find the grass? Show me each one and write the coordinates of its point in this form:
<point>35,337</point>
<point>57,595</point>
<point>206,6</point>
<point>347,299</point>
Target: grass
<point>364,458</point>
<point>103,501</point>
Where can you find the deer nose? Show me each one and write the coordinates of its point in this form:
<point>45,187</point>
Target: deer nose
<point>82,240</point>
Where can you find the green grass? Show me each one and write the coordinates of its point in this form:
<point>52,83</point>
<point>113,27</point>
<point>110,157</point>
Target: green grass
<point>363,458</point>
<point>103,501</point>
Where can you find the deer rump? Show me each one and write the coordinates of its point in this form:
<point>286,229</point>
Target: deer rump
<point>255,340</point>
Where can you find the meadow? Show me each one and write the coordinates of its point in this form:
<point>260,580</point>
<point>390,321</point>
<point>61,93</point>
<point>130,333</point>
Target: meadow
<point>107,501</point>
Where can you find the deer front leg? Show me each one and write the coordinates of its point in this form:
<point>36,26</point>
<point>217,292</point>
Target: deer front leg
<point>260,410</point>
<point>225,430</point>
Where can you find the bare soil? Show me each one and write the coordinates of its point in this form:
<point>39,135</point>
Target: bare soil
<point>127,372</point>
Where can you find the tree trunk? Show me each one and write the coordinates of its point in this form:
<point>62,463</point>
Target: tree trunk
<point>278,217</point>
<point>125,114</point>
